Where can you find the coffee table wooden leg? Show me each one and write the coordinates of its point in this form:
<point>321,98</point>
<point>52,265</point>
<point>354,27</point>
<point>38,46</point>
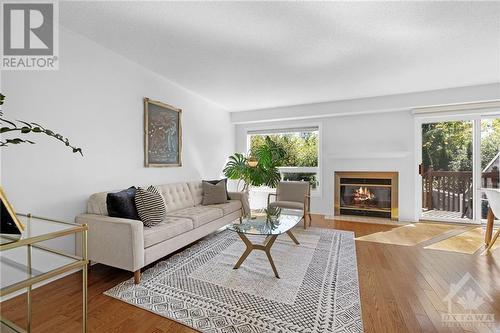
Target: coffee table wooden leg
<point>247,251</point>
<point>267,249</point>
<point>292,236</point>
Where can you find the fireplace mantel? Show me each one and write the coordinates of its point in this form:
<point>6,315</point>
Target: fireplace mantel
<point>366,193</point>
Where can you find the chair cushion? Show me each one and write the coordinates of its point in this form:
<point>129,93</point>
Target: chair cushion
<point>228,207</point>
<point>168,228</point>
<point>200,215</point>
<point>287,204</point>
<point>292,191</point>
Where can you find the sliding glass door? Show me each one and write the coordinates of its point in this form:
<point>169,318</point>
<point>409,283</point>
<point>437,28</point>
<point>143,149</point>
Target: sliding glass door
<point>490,159</point>
<point>447,170</point>
<point>460,156</point>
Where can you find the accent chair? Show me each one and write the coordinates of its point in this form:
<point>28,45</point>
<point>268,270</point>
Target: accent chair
<point>293,195</point>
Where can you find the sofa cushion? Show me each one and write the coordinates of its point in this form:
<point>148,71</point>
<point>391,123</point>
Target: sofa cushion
<point>150,206</point>
<point>122,204</point>
<point>214,193</point>
<point>228,207</point>
<point>168,228</point>
<point>200,215</point>
<point>287,204</point>
<point>196,189</point>
<point>97,204</point>
<point>177,196</point>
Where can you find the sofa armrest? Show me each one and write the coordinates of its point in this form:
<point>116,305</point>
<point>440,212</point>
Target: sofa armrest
<point>243,197</point>
<point>114,241</point>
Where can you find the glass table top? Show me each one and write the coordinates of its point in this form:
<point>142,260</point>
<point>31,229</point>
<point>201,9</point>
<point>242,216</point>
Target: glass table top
<point>276,225</point>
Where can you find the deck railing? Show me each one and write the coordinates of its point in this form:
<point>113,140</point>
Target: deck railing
<point>452,190</point>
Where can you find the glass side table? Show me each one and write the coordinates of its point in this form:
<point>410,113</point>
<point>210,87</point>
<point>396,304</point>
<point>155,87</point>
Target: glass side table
<point>28,259</point>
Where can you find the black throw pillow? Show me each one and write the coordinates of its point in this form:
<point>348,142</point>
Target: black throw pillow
<point>122,204</point>
<point>214,182</point>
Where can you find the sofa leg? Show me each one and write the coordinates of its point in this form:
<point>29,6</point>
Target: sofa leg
<point>137,276</point>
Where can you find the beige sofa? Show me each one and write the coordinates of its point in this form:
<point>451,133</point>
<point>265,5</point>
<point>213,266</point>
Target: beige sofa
<point>127,244</point>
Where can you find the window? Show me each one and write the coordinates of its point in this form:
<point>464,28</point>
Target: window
<point>301,145</point>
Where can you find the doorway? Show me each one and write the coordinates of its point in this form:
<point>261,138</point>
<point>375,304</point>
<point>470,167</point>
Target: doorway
<point>459,157</point>
<point>447,170</point>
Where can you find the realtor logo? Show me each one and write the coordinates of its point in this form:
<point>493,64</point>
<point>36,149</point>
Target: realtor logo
<point>29,36</point>
<point>467,302</point>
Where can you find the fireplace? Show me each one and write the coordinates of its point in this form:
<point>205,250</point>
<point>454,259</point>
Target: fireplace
<point>372,194</point>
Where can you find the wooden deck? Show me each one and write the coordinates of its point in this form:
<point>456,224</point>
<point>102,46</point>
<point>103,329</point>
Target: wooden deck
<point>444,215</point>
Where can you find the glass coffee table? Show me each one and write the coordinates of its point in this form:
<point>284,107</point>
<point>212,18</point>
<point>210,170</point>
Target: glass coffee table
<point>271,228</point>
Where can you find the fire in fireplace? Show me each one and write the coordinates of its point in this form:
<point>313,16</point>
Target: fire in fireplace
<point>366,194</point>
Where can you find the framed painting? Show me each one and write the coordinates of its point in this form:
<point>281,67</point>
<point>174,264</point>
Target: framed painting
<point>162,134</point>
<point>9,223</point>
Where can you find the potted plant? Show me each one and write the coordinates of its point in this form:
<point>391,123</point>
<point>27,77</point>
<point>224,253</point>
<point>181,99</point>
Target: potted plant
<point>261,168</point>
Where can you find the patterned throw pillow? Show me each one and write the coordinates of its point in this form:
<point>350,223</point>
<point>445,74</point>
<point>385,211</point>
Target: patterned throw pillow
<point>150,206</point>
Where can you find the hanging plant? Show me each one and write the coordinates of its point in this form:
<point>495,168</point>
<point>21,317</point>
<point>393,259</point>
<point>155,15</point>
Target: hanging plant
<point>23,128</point>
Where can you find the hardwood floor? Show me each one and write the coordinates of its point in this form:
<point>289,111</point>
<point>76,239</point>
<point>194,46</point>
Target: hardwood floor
<point>402,290</point>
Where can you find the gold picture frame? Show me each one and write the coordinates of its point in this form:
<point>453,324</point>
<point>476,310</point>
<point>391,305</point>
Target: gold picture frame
<point>8,223</point>
<point>162,134</point>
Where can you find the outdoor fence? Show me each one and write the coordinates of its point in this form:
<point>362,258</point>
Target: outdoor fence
<point>452,190</point>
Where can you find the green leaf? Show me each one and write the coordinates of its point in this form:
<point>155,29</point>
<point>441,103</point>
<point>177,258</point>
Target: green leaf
<point>8,122</point>
<point>25,123</point>
<point>78,150</point>
<point>25,130</point>
<point>35,124</point>
<point>15,141</point>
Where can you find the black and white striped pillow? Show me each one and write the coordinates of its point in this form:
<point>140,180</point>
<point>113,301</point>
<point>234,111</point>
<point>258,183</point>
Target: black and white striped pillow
<point>150,206</point>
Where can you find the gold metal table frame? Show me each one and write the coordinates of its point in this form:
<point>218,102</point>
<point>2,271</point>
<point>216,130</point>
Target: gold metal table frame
<point>265,246</point>
<point>30,243</point>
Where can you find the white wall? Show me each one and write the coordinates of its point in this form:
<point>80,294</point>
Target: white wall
<point>367,140</point>
<point>95,99</point>
<point>382,142</point>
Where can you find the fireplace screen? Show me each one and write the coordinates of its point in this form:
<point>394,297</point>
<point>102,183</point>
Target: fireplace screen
<point>366,196</point>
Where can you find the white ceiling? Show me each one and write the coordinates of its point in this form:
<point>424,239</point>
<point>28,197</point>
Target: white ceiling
<point>250,55</point>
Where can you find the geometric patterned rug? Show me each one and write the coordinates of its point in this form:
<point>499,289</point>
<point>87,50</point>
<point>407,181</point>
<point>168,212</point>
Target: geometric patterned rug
<point>318,289</point>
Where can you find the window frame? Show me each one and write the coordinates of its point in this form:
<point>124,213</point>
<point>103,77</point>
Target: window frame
<point>318,191</point>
